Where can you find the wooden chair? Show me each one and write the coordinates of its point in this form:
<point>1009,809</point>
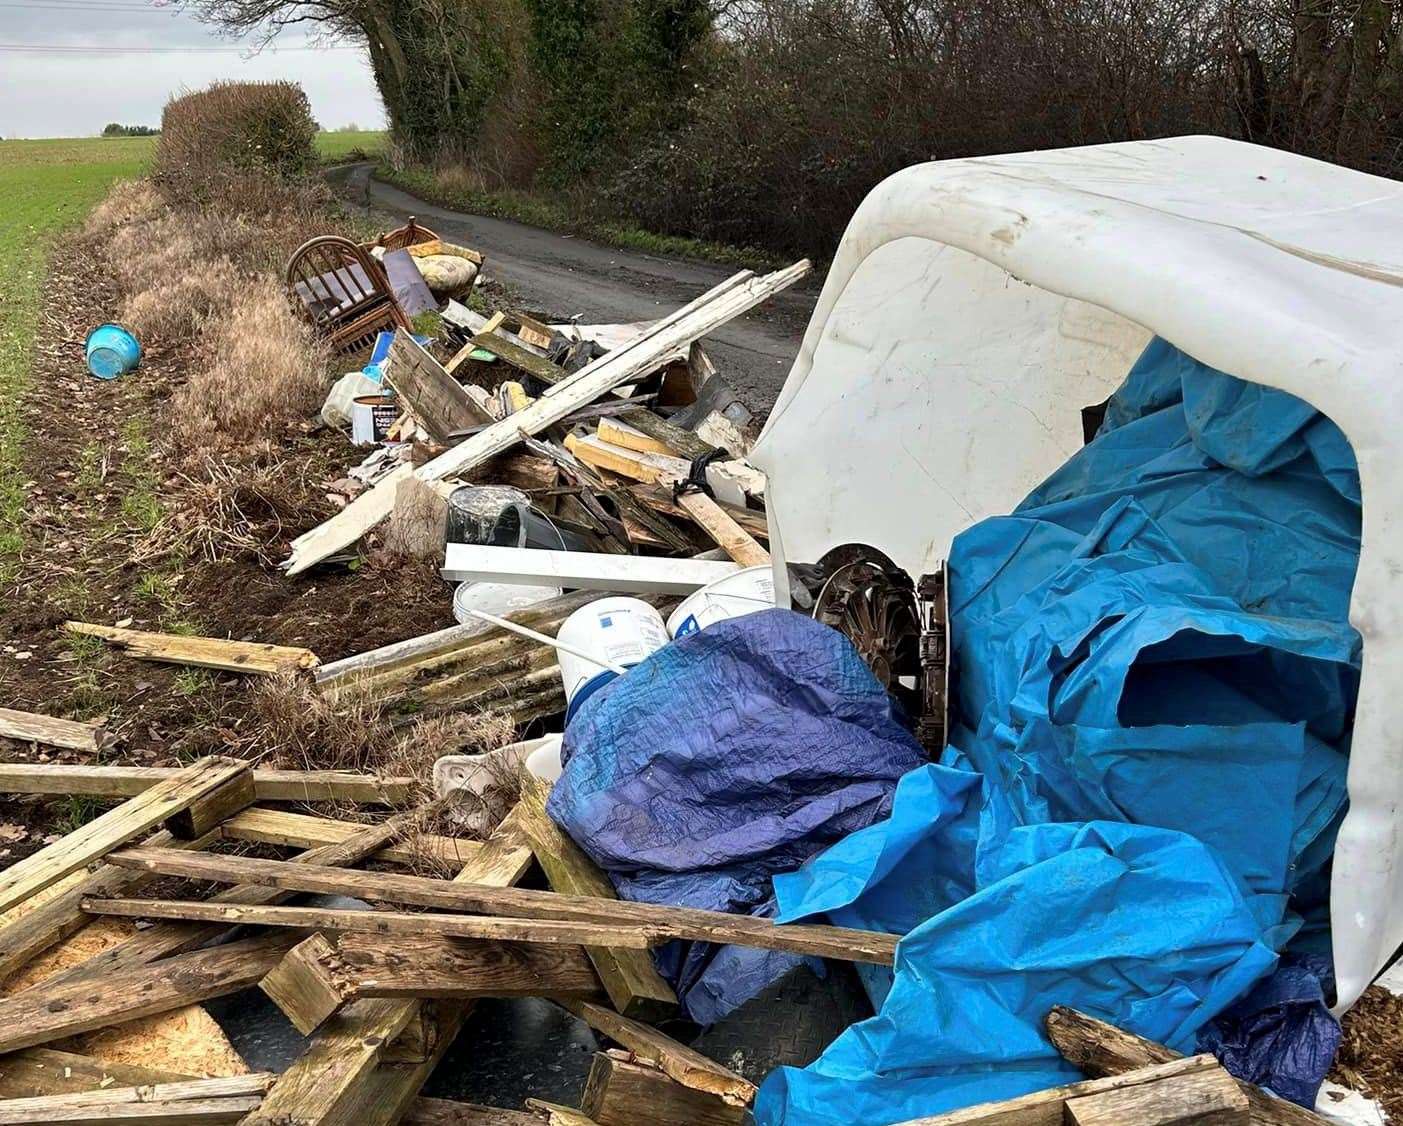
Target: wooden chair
<point>343,292</point>
<point>411,234</point>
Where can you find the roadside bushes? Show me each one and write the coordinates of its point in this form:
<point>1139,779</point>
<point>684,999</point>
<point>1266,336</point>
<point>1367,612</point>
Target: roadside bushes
<point>236,143</point>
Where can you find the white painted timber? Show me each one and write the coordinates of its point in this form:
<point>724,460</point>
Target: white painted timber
<point>714,308</point>
<point>581,570</point>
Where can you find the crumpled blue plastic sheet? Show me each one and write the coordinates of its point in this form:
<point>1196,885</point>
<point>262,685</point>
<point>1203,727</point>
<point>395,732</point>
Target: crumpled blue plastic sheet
<point>1282,1035</point>
<point>726,757</point>
<point>1155,682</point>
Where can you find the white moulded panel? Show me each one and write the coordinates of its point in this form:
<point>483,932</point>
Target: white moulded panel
<point>974,306</point>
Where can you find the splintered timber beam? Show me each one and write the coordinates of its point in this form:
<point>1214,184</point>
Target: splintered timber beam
<point>41,1016</point>
<point>202,652</point>
<point>683,1064</point>
<point>322,974</point>
<point>623,1092</point>
<point>1049,1107</point>
<point>183,1112</point>
<point>31,727</point>
<point>480,899</point>
<point>115,827</point>
<point>163,940</point>
<point>714,308</point>
<point>432,395</point>
<point>1102,1049</point>
<point>269,785</point>
<point>633,983</point>
<point>345,1077</point>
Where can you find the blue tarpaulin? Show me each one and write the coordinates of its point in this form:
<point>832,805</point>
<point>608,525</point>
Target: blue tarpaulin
<point>1155,682</point>
<point>726,757</point>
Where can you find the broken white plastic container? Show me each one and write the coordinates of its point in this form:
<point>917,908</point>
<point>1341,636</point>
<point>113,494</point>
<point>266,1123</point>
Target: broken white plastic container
<point>974,306</point>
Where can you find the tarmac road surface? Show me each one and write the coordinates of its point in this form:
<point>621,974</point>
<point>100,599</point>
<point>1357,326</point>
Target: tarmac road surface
<point>563,276</point>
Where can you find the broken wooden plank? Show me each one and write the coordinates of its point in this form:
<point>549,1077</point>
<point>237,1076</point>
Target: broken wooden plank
<point>180,1112</point>
<point>553,1114</point>
<point>443,1112</point>
<point>734,540</point>
<point>322,974</point>
<point>343,1078</point>
<point>113,1097</point>
<point>115,827</point>
<point>1048,1108</point>
<point>202,652</point>
<point>553,932</point>
<point>302,830</point>
<point>623,1092</point>
<point>1101,1049</point>
<point>176,938</point>
<point>206,814</point>
<point>32,727</point>
<point>714,308</point>
<point>1206,1098</point>
<point>269,785</point>
<point>451,895</point>
<point>519,357</point>
<point>659,499</point>
<point>41,1016</point>
<point>633,983</point>
<point>580,569</point>
<point>679,1062</point>
<point>434,397</point>
<point>45,1071</point>
<point>667,440</point>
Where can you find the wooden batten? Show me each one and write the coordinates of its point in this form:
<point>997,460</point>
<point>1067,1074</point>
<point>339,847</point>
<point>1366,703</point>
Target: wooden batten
<point>202,652</point>
<point>50,731</point>
<point>633,983</point>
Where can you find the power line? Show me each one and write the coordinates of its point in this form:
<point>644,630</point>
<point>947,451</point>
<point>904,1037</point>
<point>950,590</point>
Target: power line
<point>62,6</point>
<point>61,49</point>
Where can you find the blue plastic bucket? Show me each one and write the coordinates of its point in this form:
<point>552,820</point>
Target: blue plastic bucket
<point>112,351</point>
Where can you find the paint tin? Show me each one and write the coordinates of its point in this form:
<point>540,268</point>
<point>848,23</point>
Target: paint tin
<point>371,418</point>
<point>624,631</point>
<point>744,592</point>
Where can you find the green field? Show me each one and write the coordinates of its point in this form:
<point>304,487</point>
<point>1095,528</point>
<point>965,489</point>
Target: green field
<point>48,186</point>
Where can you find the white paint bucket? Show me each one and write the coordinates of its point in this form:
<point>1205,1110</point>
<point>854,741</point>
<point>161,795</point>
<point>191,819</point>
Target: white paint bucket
<point>496,598</point>
<point>622,631</point>
<point>744,592</point>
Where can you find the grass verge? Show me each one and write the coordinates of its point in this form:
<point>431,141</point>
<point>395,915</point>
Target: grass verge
<point>555,214</point>
<point>48,186</point>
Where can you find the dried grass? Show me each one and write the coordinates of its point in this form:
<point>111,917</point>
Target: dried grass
<point>174,312</point>
<point>299,728</point>
<point>262,372</point>
<point>221,511</point>
<point>129,201</point>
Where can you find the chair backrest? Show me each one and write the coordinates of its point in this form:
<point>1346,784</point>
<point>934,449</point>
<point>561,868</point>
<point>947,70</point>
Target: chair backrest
<point>411,234</point>
<point>342,291</point>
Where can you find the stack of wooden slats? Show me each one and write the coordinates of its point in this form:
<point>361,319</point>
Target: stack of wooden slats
<point>380,993</point>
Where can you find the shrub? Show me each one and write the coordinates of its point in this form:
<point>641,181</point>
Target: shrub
<point>235,144</point>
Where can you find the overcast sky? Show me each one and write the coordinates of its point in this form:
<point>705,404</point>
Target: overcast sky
<point>72,93</point>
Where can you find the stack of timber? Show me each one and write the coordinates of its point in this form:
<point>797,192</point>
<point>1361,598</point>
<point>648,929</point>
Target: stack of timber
<point>380,993</point>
